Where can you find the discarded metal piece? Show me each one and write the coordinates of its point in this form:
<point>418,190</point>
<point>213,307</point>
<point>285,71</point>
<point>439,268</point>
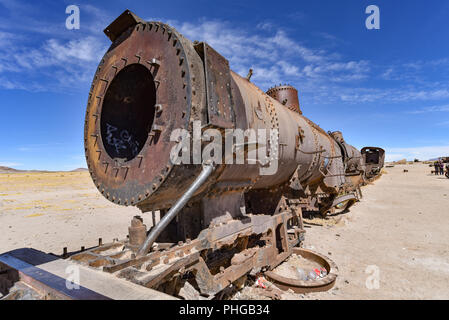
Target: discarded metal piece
<point>23,265</point>
<point>304,286</point>
<point>137,232</point>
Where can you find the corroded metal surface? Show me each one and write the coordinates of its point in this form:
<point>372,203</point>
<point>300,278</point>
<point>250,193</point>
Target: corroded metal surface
<point>287,95</point>
<point>153,81</point>
<point>219,256</point>
<point>305,286</point>
<point>373,158</point>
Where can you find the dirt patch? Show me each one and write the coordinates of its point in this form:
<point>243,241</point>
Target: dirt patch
<point>50,211</point>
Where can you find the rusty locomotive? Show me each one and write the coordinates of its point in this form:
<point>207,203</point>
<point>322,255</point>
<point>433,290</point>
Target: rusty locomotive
<point>218,220</point>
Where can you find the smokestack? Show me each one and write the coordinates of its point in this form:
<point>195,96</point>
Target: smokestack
<point>287,95</point>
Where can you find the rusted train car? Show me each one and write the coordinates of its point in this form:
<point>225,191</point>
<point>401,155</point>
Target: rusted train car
<point>219,218</point>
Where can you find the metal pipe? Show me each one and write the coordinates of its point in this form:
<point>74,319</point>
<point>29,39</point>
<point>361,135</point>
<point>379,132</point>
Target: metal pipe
<point>208,168</point>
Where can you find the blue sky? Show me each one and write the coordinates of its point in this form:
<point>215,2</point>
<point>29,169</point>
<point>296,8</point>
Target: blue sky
<point>386,87</point>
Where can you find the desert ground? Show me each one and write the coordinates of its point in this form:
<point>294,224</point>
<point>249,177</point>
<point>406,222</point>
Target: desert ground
<point>400,229</point>
<point>52,210</point>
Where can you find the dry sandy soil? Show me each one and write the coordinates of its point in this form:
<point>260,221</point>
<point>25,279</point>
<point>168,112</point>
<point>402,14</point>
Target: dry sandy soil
<point>401,227</point>
<point>50,211</point>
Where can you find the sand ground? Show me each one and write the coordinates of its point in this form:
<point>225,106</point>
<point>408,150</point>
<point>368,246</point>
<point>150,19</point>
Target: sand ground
<point>50,211</point>
<point>399,231</point>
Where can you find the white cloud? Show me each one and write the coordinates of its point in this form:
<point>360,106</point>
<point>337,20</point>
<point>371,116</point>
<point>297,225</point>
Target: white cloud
<point>396,95</point>
<point>443,123</point>
<point>55,64</point>
<point>442,108</point>
<point>87,49</point>
<point>10,164</point>
<point>322,76</point>
<point>273,55</point>
<point>265,26</point>
<point>43,56</point>
<point>421,153</point>
<point>62,54</point>
<point>41,146</point>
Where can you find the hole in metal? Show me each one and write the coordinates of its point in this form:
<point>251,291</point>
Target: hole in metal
<point>128,112</point>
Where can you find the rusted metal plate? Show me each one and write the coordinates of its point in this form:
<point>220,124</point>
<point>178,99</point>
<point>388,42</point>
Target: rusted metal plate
<point>220,107</point>
<point>302,286</point>
<point>25,262</point>
<point>119,25</point>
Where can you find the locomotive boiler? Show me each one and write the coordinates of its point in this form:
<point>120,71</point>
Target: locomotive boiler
<point>166,128</point>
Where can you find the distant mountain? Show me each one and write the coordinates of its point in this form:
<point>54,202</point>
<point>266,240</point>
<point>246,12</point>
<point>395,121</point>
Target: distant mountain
<point>8,170</point>
<point>12,170</point>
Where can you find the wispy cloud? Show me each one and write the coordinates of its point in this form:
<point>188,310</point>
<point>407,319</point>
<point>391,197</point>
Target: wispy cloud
<point>432,109</point>
<point>398,94</point>
<point>322,75</point>
<point>41,147</point>
<point>10,164</point>
<point>273,54</point>
<point>421,153</point>
<point>44,56</point>
<point>443,124</point>
<point>61,63</point>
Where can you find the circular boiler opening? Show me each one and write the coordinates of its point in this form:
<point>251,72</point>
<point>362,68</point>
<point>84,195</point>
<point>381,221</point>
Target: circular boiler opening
<point>128,112</point>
